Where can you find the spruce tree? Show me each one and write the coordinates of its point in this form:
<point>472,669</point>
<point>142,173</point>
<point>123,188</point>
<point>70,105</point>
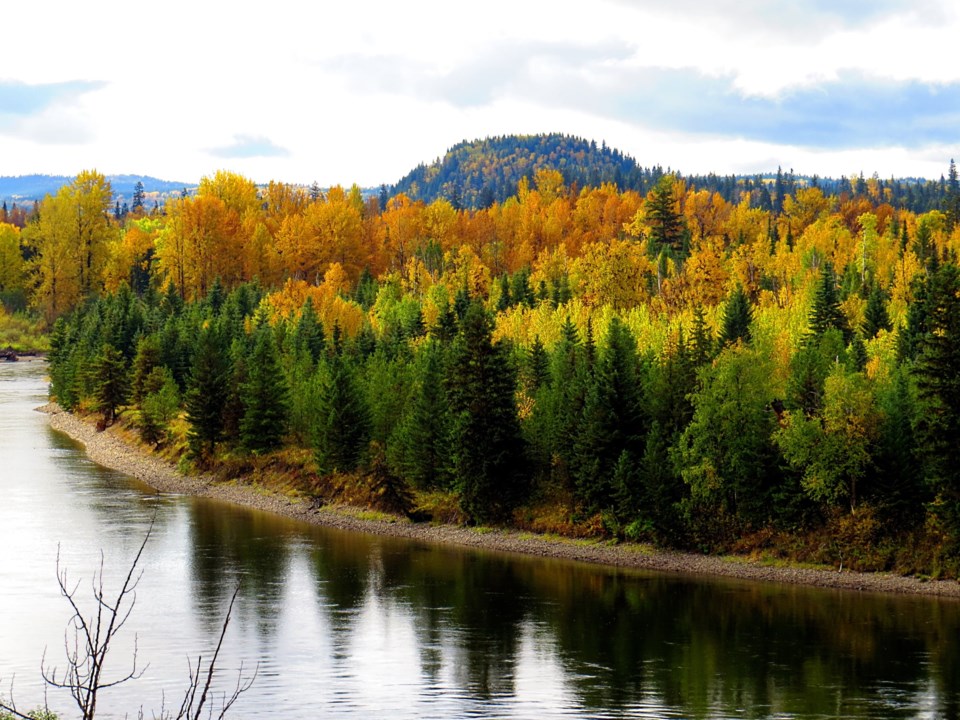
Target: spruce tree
<point>309,337</point>
<point>736,318</point>
<point>937,373</point>
<point>420,447</point>
<point>826,312</point>
<point>875,315</point>
<point>111,382</point>
<point>665,223</point>
<point>341,429</point>
<point>207,394</point>
<point>612,420</point>
<point>265,397</point>
<point>488,449</point>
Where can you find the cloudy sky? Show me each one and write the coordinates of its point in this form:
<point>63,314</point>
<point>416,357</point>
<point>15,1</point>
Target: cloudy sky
<point>361,92</point>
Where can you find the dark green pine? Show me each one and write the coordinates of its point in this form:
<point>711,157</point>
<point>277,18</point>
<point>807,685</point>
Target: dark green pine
<point>341,430</point>
<point>737,317</point>
<point>207,394</point>
<point>265,397</point>
<point>488,449</point>
<point>826,312</point>
<point>875,316</point>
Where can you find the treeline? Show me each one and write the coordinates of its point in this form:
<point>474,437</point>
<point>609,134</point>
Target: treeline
<point>478,173</point>
<point>668,366</point>
<point>693,446</point>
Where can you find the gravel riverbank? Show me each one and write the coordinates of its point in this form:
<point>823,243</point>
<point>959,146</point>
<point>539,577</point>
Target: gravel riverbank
<point>111,451</point>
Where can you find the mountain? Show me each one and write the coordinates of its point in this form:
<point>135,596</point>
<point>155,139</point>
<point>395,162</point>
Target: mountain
<point>481,172</point>
<point>24,189</point>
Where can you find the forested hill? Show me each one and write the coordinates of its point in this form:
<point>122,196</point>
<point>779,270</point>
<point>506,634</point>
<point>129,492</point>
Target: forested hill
<point>27,188</point>
<point>475,175</point>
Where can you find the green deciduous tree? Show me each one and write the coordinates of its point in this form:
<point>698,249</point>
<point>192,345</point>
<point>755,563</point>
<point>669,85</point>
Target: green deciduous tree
<point>726,454</point>
<point>834,452</point>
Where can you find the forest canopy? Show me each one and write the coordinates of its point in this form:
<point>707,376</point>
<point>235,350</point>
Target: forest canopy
<point>666,365</point>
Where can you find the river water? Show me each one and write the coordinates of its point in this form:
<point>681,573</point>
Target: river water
<point>344,625</point>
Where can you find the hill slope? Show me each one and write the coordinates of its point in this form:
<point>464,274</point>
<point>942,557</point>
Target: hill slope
<point>476,174</point>
<point>24,189</point>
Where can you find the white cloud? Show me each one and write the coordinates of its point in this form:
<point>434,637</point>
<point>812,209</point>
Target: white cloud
<point>362,93</point>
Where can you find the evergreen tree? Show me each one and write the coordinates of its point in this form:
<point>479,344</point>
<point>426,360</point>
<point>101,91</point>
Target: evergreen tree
<point>737,317</point>
<point>951,201</point>
<point>488,449</point>
<point>309,337</point>
<point>341,430</point>
<point>665,223</point>
<point>207,395</point>
<point>147,358</point>
<point>504,300</point>
<point>857,355</point>
<point>139,196</point>
<point>537,371</point>
<point>876,317</point>
<point>938,382</point>
<point>612,420</point>
<point>111,382</point>
<point>702,344</point>
<point>265,397</point>
<point>826,312</point>
<point>420,447</point>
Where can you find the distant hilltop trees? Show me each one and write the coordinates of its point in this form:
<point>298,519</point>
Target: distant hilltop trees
<point>475,175</point>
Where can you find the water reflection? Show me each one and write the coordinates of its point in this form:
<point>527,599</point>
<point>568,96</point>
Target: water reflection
<point>347,625</point>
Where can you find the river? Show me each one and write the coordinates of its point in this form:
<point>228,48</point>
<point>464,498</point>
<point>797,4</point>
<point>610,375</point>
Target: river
<point>344,625</point>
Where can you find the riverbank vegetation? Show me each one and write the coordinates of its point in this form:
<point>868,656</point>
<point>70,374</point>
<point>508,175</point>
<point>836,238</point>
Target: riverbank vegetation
<point>669,366</point>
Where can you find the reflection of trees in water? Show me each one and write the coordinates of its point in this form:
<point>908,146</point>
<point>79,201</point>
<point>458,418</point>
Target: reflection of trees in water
<point>703,647</point>
<point>250,547</point>
<point>467,610</point>
<point>623,639</point>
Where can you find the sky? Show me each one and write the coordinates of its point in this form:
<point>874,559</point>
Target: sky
<point>362,92</point>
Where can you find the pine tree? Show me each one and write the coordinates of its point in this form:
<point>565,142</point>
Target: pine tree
<point>111,382</point>
<point>937,372</point>
<point>136,206</point>
<point>612,419</point>
<point>488,449</point>
<point>951,201</point>
<point>538,366</point>
<point>147,358</point>
<point>265,397</point>
<point>341,430</point>
<point>857,355</point>
<point>702,343</point>
<point>207,395</point>
<point>736,319</point>
<point>665,223</point>
<point>826,312</point>
<point>875,316</point>
<point>309,337</point>
<point>420,447</point>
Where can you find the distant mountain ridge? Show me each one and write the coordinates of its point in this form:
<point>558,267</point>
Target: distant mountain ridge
<point>24,189</point>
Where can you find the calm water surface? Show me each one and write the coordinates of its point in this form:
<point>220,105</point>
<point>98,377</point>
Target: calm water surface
<point>350,626</point>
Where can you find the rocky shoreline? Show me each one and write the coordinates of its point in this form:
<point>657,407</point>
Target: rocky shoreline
<point>111,451</point>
